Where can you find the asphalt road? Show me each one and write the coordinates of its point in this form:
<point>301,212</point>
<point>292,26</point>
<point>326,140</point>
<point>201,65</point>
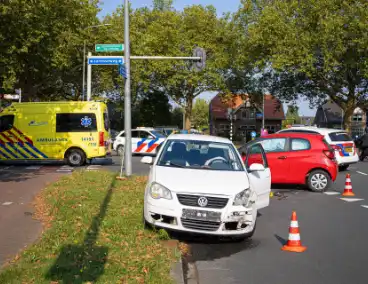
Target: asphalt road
<point>334,230</point>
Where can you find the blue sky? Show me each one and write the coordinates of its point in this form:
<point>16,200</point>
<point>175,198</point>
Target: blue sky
<point>222,6</point>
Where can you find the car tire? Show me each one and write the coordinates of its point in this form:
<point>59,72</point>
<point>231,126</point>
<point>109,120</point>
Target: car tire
<point>343,168</point>
<point>120,150</point>
<point>246,236</point>
<point>318,181</point>
<point>75,158</point>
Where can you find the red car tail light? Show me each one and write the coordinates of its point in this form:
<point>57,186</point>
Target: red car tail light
<point>329,154</point>
<point>101,139</point>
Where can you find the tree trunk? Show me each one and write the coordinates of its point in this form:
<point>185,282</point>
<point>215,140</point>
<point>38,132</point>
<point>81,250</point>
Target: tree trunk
<point>188,112</point>
<point>348,112</point>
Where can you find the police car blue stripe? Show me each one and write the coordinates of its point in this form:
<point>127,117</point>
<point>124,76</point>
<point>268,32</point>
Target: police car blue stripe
<point>152,142</point>
<point>141,142</point>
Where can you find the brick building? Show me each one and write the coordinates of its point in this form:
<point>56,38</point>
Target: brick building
<point>247,117</point>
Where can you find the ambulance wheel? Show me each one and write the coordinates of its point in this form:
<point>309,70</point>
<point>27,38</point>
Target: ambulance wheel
<point>75,157</point>
<point>120,150</point>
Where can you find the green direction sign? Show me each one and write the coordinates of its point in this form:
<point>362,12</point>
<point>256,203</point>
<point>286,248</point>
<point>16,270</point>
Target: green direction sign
<point>119,47</point>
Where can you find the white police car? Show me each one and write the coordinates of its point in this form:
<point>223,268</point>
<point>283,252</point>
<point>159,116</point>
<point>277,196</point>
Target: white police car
<point>344,146</point>
<point>144,141</point>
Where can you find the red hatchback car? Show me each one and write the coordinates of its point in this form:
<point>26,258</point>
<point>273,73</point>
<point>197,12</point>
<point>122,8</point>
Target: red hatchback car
<point>297,158</point>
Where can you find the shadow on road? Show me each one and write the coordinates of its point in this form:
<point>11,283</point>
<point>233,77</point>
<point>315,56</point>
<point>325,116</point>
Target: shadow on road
<point>86,262</point>
<point>17,175</point>
<point>280,239</point>
<point>210,250</point>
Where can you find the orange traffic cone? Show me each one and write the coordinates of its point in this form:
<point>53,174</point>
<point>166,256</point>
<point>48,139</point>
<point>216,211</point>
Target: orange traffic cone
<point>348,190</point>
<point>294,244</point>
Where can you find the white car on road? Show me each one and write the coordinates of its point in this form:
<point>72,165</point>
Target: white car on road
<point>144,141</point>
<point>199,184</point>
<point>344,146</point>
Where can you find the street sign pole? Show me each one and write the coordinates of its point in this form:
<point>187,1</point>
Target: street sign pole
<point>127,101</point>
<point>89,79</point>
<point>84,71</point>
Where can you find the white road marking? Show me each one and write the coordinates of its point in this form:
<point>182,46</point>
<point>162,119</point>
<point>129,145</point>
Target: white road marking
<point>93,167</point>
<point>33,167</point>
<point>351,199</point>
<point>364,174</point>
<point>7,203</point>
<point>364,206</point>
<point>65,169</point>
<point>6,168</point>
<point>331,193</point>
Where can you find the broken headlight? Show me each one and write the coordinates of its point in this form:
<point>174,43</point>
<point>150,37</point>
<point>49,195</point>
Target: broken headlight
<point>158,191</point>
<point>242,198</point>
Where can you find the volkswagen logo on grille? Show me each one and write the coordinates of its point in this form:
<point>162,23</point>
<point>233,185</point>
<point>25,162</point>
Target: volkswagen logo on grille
<point>202,201</point>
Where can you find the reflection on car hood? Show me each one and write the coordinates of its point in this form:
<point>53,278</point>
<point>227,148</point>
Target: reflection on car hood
<point>201,181</point>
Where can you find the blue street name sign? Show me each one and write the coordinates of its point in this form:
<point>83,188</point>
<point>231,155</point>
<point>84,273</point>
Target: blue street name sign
<point>105,60</point>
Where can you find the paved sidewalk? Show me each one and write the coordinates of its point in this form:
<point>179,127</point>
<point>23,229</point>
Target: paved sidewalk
<point>17,226</point>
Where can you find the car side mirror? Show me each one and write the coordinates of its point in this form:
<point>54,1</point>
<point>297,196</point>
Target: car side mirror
<point>150,137</point>
<point>147,160</point>
<point>255,167</point>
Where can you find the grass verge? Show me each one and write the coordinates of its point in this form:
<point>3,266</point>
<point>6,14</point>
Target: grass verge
<point>93,234</point>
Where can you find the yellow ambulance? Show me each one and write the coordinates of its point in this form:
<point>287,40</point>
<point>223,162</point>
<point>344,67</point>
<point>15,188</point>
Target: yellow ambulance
<point>75,132</point>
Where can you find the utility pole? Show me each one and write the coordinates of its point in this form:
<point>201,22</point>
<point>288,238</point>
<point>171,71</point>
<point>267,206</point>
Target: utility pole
<point>84,70</point>
<point>127,100</point>
<point>84,59</point>
<point>89,79</point>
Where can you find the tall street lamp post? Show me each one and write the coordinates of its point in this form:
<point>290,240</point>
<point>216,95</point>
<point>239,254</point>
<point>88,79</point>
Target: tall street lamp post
<point>84,58</point>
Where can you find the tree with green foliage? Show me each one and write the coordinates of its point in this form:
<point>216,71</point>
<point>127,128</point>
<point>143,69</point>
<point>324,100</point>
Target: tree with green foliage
<point>171,33</point>
<point>292,116</point>
<point>42,44</point>
<point>162,5</point>
<point>200,114</point>
<point>313,48</point>
<point>153,110</point>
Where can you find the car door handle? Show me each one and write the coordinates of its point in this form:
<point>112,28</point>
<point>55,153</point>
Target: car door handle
<point>282,158</point>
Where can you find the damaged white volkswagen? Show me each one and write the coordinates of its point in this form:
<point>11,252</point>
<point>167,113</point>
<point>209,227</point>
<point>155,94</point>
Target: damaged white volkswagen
<point>200,184</point>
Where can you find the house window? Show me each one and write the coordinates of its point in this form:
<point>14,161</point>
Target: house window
<point>244,114</point>
<point>224,127</point>
<point>252,114</point>
<point>357,117</point>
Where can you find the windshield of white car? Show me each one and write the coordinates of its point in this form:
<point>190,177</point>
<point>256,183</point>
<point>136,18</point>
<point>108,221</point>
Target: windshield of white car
<point>158,134</point>
<point>194,154</point>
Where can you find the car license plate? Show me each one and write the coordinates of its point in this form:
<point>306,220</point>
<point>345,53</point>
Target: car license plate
<point>349,149</point>
<point>201,215</point>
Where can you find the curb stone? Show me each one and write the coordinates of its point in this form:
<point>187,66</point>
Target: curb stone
<point>176,272</point>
